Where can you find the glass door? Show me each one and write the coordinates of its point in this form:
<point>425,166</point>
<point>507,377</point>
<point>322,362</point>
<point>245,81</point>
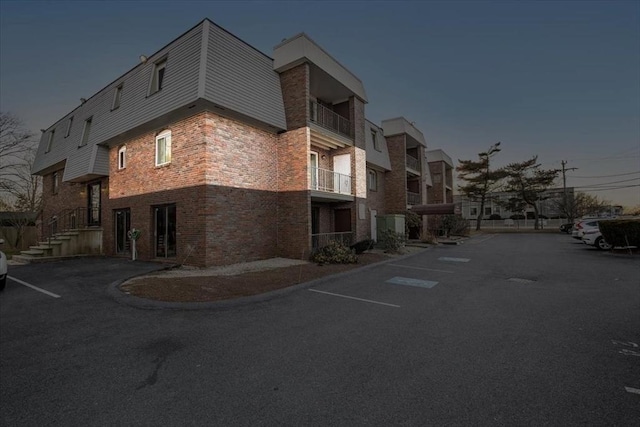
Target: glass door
<point>122,222</point>
<point>165,231</point>
<point>93,199</point>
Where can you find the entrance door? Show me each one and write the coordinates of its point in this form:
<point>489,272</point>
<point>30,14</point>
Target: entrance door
<point>93,199</point>
<point>122,221</point>
<point>342,177</point>
<point>313,166</point>
<point>342,220</point>
<point>165,231</point>
<point>374,225</point>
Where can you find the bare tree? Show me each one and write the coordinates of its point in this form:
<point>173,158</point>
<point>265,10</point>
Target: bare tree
<point>20,190</point>
<point>581,204</point>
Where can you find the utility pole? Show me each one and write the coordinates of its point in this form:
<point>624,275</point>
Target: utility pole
<point>564,187</point>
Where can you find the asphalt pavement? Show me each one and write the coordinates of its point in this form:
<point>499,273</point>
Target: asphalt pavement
<point>513,329</point>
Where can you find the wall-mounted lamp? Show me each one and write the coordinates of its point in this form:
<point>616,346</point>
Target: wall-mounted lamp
<point>323,157</point>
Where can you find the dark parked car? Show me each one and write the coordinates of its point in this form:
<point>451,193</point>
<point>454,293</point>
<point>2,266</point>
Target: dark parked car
<point>566,228</point>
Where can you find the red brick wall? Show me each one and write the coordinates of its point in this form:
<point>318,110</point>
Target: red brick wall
<point>295,95</point>
<point>396,178</point>
<point>435,194</point>
<point>294,198</point>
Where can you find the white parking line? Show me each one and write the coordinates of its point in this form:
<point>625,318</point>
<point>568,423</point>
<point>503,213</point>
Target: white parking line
<point>421,268</point>
<point>357,299</point>
<point>51,294</point>
<point>632,390</point>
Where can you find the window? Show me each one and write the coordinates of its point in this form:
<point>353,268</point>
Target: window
<point>69,123</point>
<point>437,178</point>
<point>56,183</point>
<point>374,138</point>
<point>86,131</point>
<point>487,210</point>
<point>157,79</point>
<point>50,141</point>
<point>163,148</point>
<point>116,97</point>
<point>473,211</point>
<point>373,180</point>
<point>122,157</point>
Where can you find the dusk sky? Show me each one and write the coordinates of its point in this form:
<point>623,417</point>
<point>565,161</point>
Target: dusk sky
<point>560,80</point>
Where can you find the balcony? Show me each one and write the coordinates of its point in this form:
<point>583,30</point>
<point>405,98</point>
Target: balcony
<point>413,198</point>
<point>328,119</point>
<point>329,181</point>
<point>413,164</point>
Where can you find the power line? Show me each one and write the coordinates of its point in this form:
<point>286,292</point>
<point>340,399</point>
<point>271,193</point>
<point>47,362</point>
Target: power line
<point>606,176</point>
<point>589,189</point>
<point>612,182</point>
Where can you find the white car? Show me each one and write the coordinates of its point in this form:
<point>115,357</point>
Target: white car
<point>593,237</point>
<point>582,226</point>
<point>3,268</point>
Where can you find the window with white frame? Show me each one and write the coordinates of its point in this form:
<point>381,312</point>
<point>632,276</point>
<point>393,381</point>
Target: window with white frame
<point>56,183</point>
<point>50,140</point>
<point>157,78</point>
<point>376,142</point>
<point>473,211</point>
<point>487,210</point>
<point>373,180</point>
<point>163,148</point>
<point>122,157</point>
<point>69,123</point>
<point>116,97</point>
<point>86,131</point>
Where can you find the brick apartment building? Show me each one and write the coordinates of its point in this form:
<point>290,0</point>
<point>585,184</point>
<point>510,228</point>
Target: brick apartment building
<point>220,154</point>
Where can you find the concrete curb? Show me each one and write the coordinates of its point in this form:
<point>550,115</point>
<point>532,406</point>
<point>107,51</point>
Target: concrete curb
<point>114,291</point>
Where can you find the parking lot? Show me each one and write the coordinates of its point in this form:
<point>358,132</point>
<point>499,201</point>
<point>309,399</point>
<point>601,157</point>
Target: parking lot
<point>504,329</point>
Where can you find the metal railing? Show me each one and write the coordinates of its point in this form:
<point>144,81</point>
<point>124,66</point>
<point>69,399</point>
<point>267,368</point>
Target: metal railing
<point>329,181</point>
<point>329,119</point>
<point>65,220</point>
<point>413,198</point>
<point>322,239</point>
<point>413,163</point>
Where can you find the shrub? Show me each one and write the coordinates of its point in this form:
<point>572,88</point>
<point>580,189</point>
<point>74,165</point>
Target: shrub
<point>361,246</point>
<point>455,225</point>
<point>391,241</point>
<point>621,232</point>
<point>495,217</point>
<point>334,253</point>
<point>516,216</point>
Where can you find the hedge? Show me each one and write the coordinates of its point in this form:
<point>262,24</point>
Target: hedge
<point>621,232</point>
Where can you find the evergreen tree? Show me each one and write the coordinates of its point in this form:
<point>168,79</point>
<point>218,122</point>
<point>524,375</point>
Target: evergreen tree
<point>481,181</point>
<point>528,183</point>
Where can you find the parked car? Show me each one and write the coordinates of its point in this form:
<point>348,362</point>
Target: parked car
<point>581,226</point>
<point>566,228</point>
<point>593,237</point>
<point>3,268</point>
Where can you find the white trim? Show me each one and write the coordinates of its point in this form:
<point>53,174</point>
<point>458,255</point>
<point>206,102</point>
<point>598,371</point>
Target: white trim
<point>50,141</point>
<point>122,157</point>
<point>86,130</point>
<point>69,123</point>
<point>154,85</point>
<point>117,97</point>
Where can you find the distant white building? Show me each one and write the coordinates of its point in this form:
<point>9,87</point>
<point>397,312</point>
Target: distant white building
<point>493,207</point>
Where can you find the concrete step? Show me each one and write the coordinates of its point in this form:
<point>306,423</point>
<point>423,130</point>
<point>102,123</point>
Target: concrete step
<point>33,252</point>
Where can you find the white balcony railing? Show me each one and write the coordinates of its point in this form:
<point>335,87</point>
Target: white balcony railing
<point>329,181</point>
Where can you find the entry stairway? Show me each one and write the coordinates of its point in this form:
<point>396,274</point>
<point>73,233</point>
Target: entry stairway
<point>65,235</point>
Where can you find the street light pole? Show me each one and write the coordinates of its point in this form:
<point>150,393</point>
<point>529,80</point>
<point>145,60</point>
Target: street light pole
<point>564,188</point>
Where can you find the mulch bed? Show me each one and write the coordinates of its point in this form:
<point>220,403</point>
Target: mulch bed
<point>217,288</point>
